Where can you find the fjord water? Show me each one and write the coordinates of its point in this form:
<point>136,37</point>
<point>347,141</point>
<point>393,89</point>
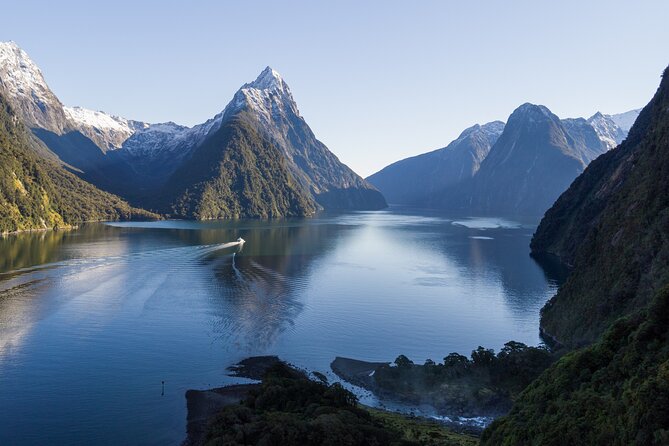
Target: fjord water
<point>93,320</point>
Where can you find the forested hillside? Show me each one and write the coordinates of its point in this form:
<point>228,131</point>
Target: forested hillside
<point>36,193</point>
<point>612,225</point>
<point>237,173</point>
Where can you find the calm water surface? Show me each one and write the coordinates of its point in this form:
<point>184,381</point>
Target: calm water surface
<point>91,321</point>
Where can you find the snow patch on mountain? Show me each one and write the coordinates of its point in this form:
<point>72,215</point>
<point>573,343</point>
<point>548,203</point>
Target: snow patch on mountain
<point>490,131</point>
<point>102,120</point>
<point>159,139</point>
<point>607,130</point>
<point>108,131</point>
<point>626,120</point>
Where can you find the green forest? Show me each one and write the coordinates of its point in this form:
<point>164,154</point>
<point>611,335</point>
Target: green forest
<point>37,193</point>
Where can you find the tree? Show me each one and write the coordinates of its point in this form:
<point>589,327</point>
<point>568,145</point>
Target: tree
<point>403,362</point>
<point>455,359</point>
<point>483,357</point>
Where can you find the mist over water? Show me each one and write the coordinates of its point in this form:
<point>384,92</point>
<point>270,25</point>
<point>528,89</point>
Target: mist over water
<point>91,321</point>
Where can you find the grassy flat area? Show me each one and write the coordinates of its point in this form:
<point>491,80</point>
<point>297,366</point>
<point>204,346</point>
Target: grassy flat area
<point>422,431</point>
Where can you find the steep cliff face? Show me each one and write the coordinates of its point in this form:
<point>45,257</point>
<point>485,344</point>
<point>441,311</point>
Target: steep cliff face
<point>24,88</point>
<point>260,158</point>
<point>611,226</point>
<point>518,178</point>
<point>416,180</point>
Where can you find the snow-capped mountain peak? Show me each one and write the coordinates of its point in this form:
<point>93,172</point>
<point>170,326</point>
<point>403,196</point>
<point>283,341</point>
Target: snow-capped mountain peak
<point>22,83</point>
<point>266,80</point>
<point>23,76</point>
<point>607,130</point>
<point>268,96</point>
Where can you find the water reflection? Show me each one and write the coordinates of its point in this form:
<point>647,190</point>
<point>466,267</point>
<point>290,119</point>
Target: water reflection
<point>19,251</point>
<point>495,253</point>
<point>260,287</point>
<point>92,320</point>
<point>17,316</point>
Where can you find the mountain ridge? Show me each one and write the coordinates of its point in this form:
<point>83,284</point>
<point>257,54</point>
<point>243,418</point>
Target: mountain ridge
<point>534,159</point>
<point>425,180</point>
<point>433,171</point>
<point>136,160</point>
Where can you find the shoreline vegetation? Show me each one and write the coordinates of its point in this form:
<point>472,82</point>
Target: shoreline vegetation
<point>289,406</point>
<point>28,231</point>
<point>459,388</point>
<point>75,226</point>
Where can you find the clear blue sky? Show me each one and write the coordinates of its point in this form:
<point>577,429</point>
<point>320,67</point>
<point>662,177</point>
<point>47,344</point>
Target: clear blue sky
<point>376,82</point>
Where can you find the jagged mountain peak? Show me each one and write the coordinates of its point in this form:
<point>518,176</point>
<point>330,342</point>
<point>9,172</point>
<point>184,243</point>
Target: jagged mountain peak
<point>18,73</point>
<point>608,131</point>
<point>269,78</point>
<point>268,96</point>
<point>11,49</point>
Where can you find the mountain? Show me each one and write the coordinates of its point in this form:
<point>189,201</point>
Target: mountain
<point>236,173</point>
<point>532,162</point>
<point>626,120</point>
<point>611,226</point>
<point>585,140</point>
<point>414,180</point>
<point>106,131</point>
<point>269,106</point>
<point>37,193</point>
<point>451,178</point>
<point>616,207</point>
<point>24,87</point>
<point>137,160</point>
<point>613,129</point>
<point>607,129</point>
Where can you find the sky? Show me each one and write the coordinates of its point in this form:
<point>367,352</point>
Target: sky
<point>377,81</point>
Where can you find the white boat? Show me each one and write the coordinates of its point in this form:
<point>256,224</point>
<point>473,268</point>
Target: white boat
<point>239,242</point>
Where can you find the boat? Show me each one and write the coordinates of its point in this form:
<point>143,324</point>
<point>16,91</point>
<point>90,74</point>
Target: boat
<point>239,242</point>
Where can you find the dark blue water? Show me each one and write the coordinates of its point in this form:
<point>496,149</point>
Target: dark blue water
<point>92,320</point>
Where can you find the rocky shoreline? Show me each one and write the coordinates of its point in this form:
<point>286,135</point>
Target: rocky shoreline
<point>361,373</point>
<point>205,405</point>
